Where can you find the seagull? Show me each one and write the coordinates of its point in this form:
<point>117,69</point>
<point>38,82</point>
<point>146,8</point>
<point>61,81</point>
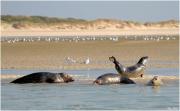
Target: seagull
<point>157,39</point>
<point>87,61</point>
<point>70,60</point>
<point>9,41</point>
<point>167,38</point>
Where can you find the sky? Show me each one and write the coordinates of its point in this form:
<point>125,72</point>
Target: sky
<point>142,11</point>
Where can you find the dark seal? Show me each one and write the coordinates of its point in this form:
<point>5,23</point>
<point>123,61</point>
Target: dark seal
<point>44,77</point>
<point>134,71</point>
<point>111,78</point>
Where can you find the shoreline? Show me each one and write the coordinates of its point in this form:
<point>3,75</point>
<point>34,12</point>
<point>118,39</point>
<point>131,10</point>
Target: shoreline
<point>27,32</point>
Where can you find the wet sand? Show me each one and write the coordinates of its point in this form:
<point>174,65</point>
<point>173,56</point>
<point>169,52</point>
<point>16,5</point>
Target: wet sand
<point>52,55</point>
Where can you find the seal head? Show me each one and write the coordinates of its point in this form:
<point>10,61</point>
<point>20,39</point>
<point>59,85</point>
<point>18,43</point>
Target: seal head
<point>66,77</point>
<point>156,81</point>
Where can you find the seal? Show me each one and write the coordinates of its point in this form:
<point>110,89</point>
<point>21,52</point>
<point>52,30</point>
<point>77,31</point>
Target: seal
<point>134,71</point>
<point>111,78</point>
<point>44,77</point>
<point>156,81</point>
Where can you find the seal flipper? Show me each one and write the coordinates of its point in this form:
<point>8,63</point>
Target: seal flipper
<point>126,80</point>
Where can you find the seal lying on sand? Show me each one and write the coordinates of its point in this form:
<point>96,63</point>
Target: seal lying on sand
<point>136,70</point>
<point>156,81</point>
<point>44,77</point>
<point>111,78</point>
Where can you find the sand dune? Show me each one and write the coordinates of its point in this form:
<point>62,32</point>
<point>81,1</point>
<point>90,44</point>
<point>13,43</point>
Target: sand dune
<point>43,26</point>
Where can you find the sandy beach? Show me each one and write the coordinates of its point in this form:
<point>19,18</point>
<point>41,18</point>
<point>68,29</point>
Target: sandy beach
<point>50,32</point>
<point>53,55</point>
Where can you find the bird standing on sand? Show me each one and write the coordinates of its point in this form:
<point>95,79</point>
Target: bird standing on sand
<point>87,61</point>
<point>136,70</point>
<point>70,60</point>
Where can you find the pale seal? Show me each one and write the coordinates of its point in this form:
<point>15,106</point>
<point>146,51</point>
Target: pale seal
<point>44,77</point>
<point>136,70</point>
<point>156,81</point>
<point>111,78</point>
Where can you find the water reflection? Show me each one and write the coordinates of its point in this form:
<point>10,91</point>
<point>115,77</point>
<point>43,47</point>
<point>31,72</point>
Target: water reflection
<point>156,89</point>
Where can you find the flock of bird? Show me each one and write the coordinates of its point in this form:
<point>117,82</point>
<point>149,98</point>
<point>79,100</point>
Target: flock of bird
<point>86,38</point>
<point>70,60</point>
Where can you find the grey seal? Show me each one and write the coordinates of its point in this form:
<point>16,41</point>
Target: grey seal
<point>134,71</point>
<point>44,77</point>
<point>156,81</point>
<point>111,78</point>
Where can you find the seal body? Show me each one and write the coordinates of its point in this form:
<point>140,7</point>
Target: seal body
<point>111,78</point>
<point>156,81</point>
<point>134,71</point>
<point>44,77</point>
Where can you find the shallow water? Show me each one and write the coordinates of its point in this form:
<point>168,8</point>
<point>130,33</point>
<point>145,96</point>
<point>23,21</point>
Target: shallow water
<point>83,95</point>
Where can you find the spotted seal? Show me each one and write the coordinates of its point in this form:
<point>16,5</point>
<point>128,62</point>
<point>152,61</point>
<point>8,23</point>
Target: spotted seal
<point>156,81</point>
<point>111,78</point>
<point>134,71</point>
<point>44,77</point>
